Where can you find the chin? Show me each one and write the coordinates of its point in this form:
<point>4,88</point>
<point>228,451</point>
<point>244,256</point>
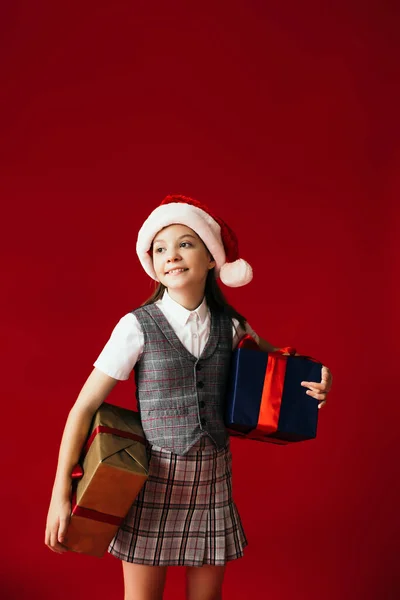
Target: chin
<point>176,285</point>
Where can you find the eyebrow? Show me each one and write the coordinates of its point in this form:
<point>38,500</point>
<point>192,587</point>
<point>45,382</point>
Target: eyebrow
<point>179,238</point>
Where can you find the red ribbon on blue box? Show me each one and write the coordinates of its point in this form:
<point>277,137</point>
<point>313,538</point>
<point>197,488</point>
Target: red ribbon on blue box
<point>265,399</point>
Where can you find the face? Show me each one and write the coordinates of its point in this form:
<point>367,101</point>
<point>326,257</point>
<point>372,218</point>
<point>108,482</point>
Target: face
<point>180,257</point>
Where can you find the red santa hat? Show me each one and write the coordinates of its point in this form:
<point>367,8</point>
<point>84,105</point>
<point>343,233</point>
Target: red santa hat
<point>215,233</point>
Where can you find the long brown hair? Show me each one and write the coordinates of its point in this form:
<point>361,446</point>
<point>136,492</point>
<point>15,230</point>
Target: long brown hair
<point>215,298</point>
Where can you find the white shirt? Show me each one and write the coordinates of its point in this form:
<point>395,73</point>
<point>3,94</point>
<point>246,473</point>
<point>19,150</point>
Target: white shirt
<point>126,343</point>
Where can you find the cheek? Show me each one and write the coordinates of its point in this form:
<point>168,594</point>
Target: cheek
<point>157,261</point>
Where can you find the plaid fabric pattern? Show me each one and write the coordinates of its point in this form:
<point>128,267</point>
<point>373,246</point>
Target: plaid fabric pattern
<point>180,396</point>
<point>184,514</point>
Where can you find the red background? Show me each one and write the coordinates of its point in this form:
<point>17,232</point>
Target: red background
<point>284,119</point>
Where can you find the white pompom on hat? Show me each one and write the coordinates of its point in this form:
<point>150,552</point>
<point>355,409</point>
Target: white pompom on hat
<point>215,233</point>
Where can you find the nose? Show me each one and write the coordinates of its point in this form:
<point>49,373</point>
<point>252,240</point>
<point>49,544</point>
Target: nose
<point>172,255</point>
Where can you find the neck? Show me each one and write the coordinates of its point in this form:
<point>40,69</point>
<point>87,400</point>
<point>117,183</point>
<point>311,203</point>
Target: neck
<point>189,299</point>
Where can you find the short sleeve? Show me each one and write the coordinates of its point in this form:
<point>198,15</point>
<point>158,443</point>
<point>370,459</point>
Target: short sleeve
<point>239,333</point>
<point>123,349</point>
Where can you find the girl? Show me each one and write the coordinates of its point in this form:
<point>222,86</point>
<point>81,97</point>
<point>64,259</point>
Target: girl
<point>179,343</point>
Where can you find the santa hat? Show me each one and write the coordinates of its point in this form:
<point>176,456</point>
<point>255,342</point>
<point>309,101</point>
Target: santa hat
<point>215,233</point>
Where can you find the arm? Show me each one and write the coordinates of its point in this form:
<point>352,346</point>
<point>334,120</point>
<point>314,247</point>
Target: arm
<point>93,393</point>
<point>239,332</point>
<point>266,346</point>
<point>117,358</point>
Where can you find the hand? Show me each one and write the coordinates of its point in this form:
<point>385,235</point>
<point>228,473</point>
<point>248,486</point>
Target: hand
<point>320,390</point>
<point>58,519</point>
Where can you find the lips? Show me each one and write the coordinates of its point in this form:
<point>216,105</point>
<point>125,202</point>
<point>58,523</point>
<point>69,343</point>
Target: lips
<point>176,271</point>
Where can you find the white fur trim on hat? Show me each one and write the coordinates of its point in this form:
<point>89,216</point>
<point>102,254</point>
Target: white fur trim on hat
<point>184,214</point>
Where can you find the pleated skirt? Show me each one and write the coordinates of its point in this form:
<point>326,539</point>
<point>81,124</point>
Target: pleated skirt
<point>185,514</point>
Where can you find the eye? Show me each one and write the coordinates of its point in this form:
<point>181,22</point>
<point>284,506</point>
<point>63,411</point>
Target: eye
<point>157,250</point>
<point>187,243</point>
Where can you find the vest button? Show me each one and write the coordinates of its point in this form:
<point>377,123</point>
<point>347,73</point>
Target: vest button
<point>200,384</point>
<point>203,422</point>
<point>202,404</point>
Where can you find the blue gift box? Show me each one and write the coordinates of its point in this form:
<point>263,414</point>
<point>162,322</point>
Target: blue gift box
<point>265,400</point>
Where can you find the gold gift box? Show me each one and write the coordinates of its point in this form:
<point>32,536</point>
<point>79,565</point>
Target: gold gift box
<point>115,468</point>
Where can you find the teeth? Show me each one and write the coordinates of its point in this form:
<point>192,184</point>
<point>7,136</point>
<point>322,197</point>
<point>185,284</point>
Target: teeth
<point>177,271</point>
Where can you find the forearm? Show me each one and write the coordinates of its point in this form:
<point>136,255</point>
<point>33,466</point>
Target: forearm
<point>95,390</point>
<point>74,436</point>
<point>266,346</point>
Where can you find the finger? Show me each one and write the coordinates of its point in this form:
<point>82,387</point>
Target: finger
<point>59,548</point>
<point>62,530</point>
<point>316,395</point>
<point>316,387</point>
<point>320,389</point>
<point>54,544</point>
<point>53,536</point>
<point>326,375</point>
<point>311,383</point>
<point>322,404</point>
<point>54,549</point>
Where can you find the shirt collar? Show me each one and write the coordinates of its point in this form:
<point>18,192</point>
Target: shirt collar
<point>182,314</point>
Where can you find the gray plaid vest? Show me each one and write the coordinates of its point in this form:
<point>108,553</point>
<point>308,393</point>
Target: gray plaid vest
<point>180,397</point>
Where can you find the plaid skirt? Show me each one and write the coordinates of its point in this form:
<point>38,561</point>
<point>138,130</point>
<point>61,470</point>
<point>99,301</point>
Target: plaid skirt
<point>184,514</point>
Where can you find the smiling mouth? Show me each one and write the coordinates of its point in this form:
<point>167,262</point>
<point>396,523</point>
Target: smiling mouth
<point>175,271</point>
